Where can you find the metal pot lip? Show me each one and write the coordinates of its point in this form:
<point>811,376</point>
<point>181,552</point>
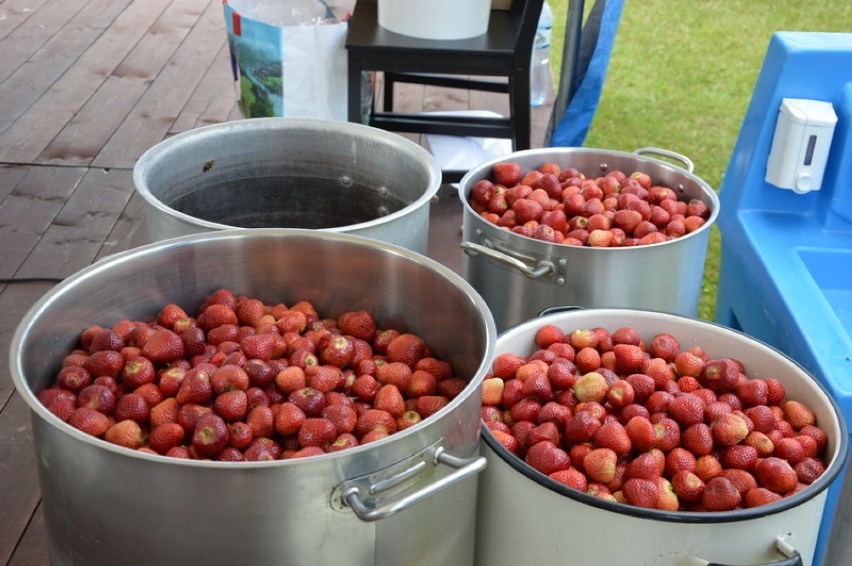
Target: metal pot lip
<point>475,174</point>
<point>101,267</point>
<point>814,489</point>
<point>151,156</point>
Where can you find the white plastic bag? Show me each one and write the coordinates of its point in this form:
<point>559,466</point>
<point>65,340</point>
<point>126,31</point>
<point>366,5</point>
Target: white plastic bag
<point>288,58</point>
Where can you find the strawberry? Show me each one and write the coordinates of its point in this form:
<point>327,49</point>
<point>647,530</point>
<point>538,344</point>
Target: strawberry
<point>572,477</point>
<point>686,410</point>
<point>720,495</point>
<point>667,499</point>
<point>240,435</point>
<point>169,315</point>
<point>583,338</point>
<point>707,467</point>
<point>375,419</point>
<point>406,348</point>
<point>798,414</point>
<point>137,371</point>
<point>397,373</point>
<point>310,400</point>
<point>641,432</point>
<point>506,173</point>
<point>408,419</point>
<point>505,365</point>
<point>343,442</point>
<point>614,436</point>
<point>390,399</point>
<point>318,432</point>
<point>249,311</point>
<point>225,336</point>
<point>728,429</point>
<point>599,464</point>
<point>231,405</point>
<point>98,397</point>
<point>647,465</point>
<point>73,378</point>
<point>261,420</point>
<point>210,435</point>
<point>628,358</point>
<point>587,359</point>
<point>132,406</point>
<point>760,496</point>
<point>262,449</point>
<point>667,433</point>
<point>641,492</point>
<point>428,405</point>
<point>809,469</point>
<point>106,339</point>
<point>545,431</point>
<point>688,364</point>
<point>291,321</point>
<point>194,341</point>
<point>62,406</point>
<point>259,346</point>
<point>291,378</point>
<point>508,440</point>
<point>664,346</point>
<point>195,388</point>
<point>739,456</point>
<point>359,324</point>
<point>549,334</point>
<point>679,459</point>
<point>289,419</point>
<point>688,486</point>
<point>125,433</point>
<point>775,391</point>
<point>336,350</point>
<point>89,421</point>
<point>365,387</point>
<point>492,390</point>
<point>439,368</point>
<point>752,392</point>
<point>166,436</point>
<point>626,335</point>
<point>643,386</point>
<point>581,427</point>
<point>453,387</point>
<point>163,346</point>
<point>742,480</point>
<point>104,363</point>
<point>547,458</point>
<point>591,387</point>
<point>166,411</point>
<point>325,378</point>
<point>554,412</point>
<point>620,394</point>
<point>720,375</point>
<point>789,449</point>
<point>817,434</point>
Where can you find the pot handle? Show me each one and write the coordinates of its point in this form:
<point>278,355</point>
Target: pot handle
<point>351,494</point>
<point>791,557</point>
<point>687,162</point>
<point>543,268</point>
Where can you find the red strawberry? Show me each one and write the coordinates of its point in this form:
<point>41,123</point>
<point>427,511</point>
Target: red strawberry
<point>428,405</point>
<point>249,311</point>
<point>439,368</point>
<point>259,346</point>
<point>752,392</point>
<point>210,435</point>
<point>547,458</point>
<point>720,495</point>
<point>688,486</point>
<point>406,348</point>
<point>775,391</point>
<point>614,436</point>
<point>667,433</point>
<point>375,419</point>
<point>423,382</point>
<point>343,442</point>
<point>169,315</point>
<point>336,350</point>
<point>132,406</point>
<point>720,375</point>
<point>760,496</point>
<point>73,378</point>
<point>390,399</point>
<point>359,324</point>
<point>262,422</point>
<point>125,433</point>
<point>549,334</point>
<point>599,464</point>
<point>318,432</point>
<point>291,378</point>
<point>729,429</point>
<point>641,492</point>
<point>707,467</point>
<point>789,449</point>
<point>687,410</point>
<point>647,465</point>
<point>507,440</point>
<point>195,388</point>
<point>106,339</point>
<point>667,499</point>
<point>344,417</point>
<point>137,371</point>
<point>643,386</point>
<point>664,346</point>
<point>739,456</point>
<point>397,373</point>
<point>572,477</point>
<point>741,479</point>
<point>289,419</point>
<point>798,414</point>
<point>555,413</point>
<point>166,436</point>
<point>688,364</point>
<point>641,432</point>
<point>104,363</point>
<point>506,173</point>
<point>240,435</point>
<point>817,434</point>
<point>325,378</point>
<point>809,469</point>
<point>89,421</point>
<point>163,346</point>
<point>231,405</point>
<point>216,315</point>
<point>581,427</point>
<point>166,411</point>
<point>452,388</point>
<point>679,459</point>
<point>97,397</point>
<point>262,450</point>
<point>310,400</point>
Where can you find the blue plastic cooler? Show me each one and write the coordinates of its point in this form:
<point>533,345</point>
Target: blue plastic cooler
<point>786,271</point>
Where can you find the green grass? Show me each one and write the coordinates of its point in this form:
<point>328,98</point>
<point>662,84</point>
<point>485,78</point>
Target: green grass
<point>681,77</point>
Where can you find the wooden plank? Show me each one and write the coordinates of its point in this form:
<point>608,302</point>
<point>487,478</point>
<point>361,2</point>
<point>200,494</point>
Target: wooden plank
<point>37,198</point>
<point>31,25</point>
<point>213,99</point>
<point>31,133</point>
<point>32,549</point>
<point>82,225</point>
<point>18,469</point>
<point>129,230</point>
<point>10,176</point>
<point>163,101</point>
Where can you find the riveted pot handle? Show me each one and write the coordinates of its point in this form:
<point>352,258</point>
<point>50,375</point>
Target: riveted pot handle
<point>542,269</point>
<point>795,560</point>
<point>791,557</point>
<point>351,495</point>
<point>687,162</point>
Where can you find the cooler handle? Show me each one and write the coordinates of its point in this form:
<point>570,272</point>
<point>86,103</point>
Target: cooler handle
<point>687,162</point>
<point>351,495</point>
<point>542,269</point>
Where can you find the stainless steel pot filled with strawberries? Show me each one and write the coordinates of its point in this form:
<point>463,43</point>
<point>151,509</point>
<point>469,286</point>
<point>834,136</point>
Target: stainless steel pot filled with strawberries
<point>626,436</point>
<point>586,227</point>
<point>257,396</point>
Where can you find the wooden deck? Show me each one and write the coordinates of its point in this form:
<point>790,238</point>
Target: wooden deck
<point>86,86</point>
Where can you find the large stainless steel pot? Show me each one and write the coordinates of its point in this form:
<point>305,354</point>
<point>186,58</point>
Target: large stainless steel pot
<point>519,276</point>
<point>553,524</point>
<point>289,173</point>
<point>407,499</point>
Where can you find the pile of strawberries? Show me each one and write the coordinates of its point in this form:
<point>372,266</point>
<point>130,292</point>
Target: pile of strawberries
<point>649,424</point>
<point>247,381</point>
<point>562,206</point>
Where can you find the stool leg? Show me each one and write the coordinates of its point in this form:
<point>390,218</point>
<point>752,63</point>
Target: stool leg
<point>353,84</point>
<point>519,104</point>
<point>389,80</point>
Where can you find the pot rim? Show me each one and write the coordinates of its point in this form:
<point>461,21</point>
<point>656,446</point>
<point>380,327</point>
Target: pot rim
<point>821,484</point>
<point>149,159</point>
<point>96,270</point>
<point>477,173</point>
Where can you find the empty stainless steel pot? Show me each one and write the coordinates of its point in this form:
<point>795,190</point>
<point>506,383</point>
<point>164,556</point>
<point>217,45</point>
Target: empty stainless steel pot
<point>406,500</point>
<point>289,173</point>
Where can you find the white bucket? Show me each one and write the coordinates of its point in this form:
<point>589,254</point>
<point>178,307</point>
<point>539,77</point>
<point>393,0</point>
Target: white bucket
<point>550,523</point>
<point>435,19</point>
